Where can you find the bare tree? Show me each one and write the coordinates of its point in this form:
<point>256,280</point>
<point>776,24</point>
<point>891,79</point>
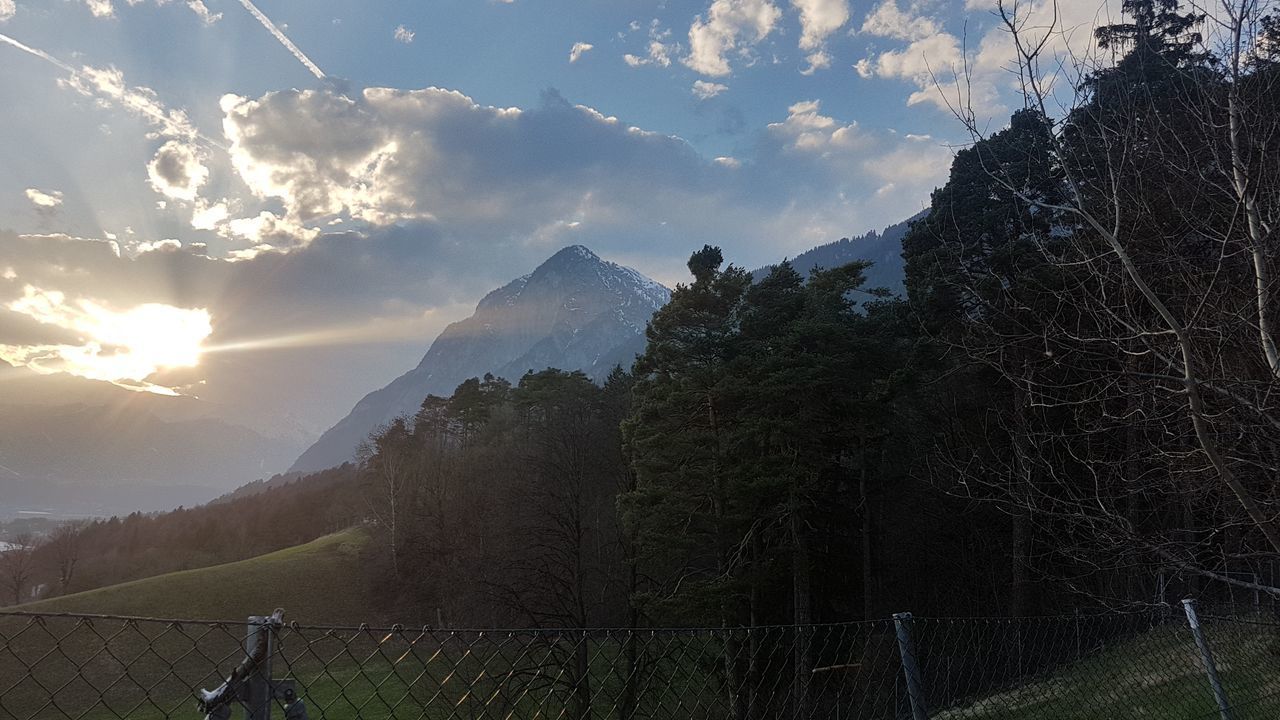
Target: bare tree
<point>63,546</point>
<point>386,462</point>
<point>1146,432</point>
<point>17,566</point>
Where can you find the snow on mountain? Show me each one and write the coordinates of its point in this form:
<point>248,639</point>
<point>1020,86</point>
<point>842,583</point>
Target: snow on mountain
<point>574,312</point>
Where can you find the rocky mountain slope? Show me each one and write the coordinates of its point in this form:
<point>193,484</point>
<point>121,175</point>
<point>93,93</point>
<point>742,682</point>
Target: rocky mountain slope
<point>574,312</point>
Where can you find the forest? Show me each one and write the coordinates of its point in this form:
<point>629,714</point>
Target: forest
<point>1074,405</point>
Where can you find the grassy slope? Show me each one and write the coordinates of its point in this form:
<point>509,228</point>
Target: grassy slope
<point>319,582</point>
<point>64,667</point>
<point>1156,675</point>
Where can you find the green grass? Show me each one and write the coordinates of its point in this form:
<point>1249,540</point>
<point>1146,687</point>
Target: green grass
<point>1156,675</point>
<point>69,667</point>
<point>319,582</point>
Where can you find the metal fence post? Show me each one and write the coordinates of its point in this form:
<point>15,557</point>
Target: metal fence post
<point>258,684</point>
<point>910,669</point>
<point>1206,655</point>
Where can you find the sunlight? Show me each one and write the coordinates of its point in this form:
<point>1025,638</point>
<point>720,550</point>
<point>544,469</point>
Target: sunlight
<point>122,347</point>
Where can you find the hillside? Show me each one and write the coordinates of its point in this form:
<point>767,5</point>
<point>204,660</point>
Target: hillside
<point>883,249</point>
<point>574,312</point>
<point>300,579</point>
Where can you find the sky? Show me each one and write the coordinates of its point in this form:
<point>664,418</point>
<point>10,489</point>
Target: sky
<point>275,205</point>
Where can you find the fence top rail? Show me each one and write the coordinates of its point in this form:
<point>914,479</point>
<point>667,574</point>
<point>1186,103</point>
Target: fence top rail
<point>1213,612</point>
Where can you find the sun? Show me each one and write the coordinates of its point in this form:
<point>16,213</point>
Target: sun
<point>125,347</point>
<point>153,335</point>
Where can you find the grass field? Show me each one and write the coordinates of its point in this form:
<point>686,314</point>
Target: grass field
<point>319,582</point>
<point>1156,675</point>
<point>74,667</point>
<point>69,667</point>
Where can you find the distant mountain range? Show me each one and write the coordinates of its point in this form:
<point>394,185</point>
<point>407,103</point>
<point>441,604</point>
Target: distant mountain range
<point>883,249</point>
<point>81,459</point>
<point>574,312</point>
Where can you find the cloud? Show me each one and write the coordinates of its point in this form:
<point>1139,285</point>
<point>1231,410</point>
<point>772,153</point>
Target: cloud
<point>7,9</point>
<point>108,87</point>
<point>268,229</point>
<point>177,171</point>
<point>818,60</point>
<point>45,201</point>
<point>704,90</point>
<point>101,8</point>
<point>209,216</point>
<point>202,11</point>
<point>888,20</point>
<point>480,174</point>
<point>818,20</point>
<point>659,50</point>
<point>936,61</point>
<point>730,25</point>
<point>807,129</point>
<point>403,34</point>
<point>166,245</point>
<point>578,50</point>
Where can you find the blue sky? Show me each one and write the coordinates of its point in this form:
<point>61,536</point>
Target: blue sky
<point>176,153</point>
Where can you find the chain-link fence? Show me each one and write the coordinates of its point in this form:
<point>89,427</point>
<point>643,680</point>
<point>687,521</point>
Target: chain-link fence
<point>1149,664</point>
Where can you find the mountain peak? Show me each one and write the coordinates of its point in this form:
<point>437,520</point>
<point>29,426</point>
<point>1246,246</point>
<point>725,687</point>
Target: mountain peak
<point>572,254</point>
<point>576,311</point>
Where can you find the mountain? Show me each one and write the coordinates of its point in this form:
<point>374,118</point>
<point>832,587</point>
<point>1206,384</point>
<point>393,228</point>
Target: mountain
<point>574,312</point>
<point>883,249</point>
<point>91,459</point>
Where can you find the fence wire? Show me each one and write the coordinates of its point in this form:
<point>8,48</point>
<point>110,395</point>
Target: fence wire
<point>1115,665</point>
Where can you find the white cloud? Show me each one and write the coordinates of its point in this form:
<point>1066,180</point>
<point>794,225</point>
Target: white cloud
<point>659,50</point>
<point>888,20</point>
<point>166,245</point>
<point>266,228</point>
<point>934,60</point>
<point>101,8</point>
<point>44,200</point>
<point>209,217</point>
<point>807,129</point>
<point>177,171</point>
<point>202,11</point>
<point>108,87</point>
<point>390,158</point>
<point>704,90</point>
<point>818,20</point>
<point>818,60</point>
<point>578,49</point>
<point>403,34</point>
<point>730,25</point>
<point>7,9</point>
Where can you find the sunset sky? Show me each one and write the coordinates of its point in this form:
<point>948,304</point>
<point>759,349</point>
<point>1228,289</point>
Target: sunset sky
<point>276,206</point>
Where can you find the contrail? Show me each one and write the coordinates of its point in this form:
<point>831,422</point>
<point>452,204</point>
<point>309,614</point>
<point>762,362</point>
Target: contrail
<point>271,28</point>
<point>38,53</point>
<point>89,81</point>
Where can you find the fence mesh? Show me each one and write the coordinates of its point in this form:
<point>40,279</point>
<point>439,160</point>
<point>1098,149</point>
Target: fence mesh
<point>1115,665</point>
